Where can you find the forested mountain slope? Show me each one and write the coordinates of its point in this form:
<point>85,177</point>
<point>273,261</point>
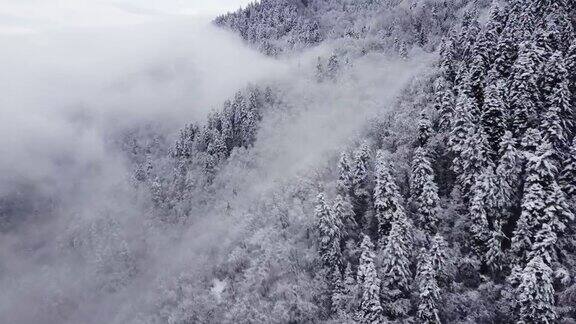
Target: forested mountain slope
<point>471,218</point>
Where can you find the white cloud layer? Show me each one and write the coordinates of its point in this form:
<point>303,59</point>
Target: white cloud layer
<point>27,16</point>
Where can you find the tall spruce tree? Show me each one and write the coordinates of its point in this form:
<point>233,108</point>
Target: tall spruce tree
<point>568,175</point>
<point>493,117</point>
<point>462,127</point>
<point>370,310</point>
<point>571,70</point>
<point>479,209</point>
<point>543,202</point>
<point>424,130</point>
<point>558,122</point>
<point>495,250</point>
<point>395,271</point>
<point>344,184</point>
<point>424,190</point>
<point>387,199</point>
<point>344,215</point>
<point>507,176</point>
<point>523,92</point>
<point>360,181</point>
<point>329,235</point>
<point>483,54</point>
<point>535,295</point>
<point>428,291</point>
<point>475,159</point>
<point>440,259</point>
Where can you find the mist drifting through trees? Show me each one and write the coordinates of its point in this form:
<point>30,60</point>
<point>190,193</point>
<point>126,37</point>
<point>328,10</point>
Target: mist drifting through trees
<point>318,161</point>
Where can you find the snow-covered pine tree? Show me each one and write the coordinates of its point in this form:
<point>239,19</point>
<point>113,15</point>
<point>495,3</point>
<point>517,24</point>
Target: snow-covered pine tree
<point>495,250</point>
<point>440,259</point>
<point>544,245</point>
<point>370,310</point>
<point>483,54</point>
<point>184,146</point>
<point>479,209</point>
<point>344,184</point>
<point>360,182</point>
<point>507,177</point>
<point>568,176</point>
<point>543,202</point>
<point>447,62</point>
<point>444,104</point>
<point>470,28</point>
<point>328,229</point>
<point>428,291</point>
<point>493,117</point>
<point>559,25</point>
<point>350,292</point>
<point>333,67</point>
<point>424,130</point>
<point>558,122</point>
<point>387,199</point>
<point>571,69</point>
<point>562,215</point>
<point>518,27</point>
<point>338,300</point>
<point>424,190</point>
<point>395,270</point>
<point>475,159</point>
<point>344,214</point>
<point>535,295</point>
<point>523,93</point>
<point>462,127</point>
<point>344,296</point>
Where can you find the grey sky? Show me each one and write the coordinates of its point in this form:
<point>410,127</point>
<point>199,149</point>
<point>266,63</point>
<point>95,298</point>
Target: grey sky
<point>25,16</point>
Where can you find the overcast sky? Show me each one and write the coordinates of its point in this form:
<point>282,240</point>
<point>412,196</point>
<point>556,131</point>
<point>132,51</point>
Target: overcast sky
<point>29,16</point>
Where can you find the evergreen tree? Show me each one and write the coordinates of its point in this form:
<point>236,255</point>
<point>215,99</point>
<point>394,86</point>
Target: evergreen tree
<point>328,235</point>
<point>544,245</point>
<point>395,271</point>
<point>387,199</point>
<point>439,258</point>
<point>524,96</point>
<point>424,130</point>
<point>507,176</point>
<point>344,215</point>
<point>558,122</point>
<point>479,208</point>
<point>350,291</point>
<point>483,54</point>
<point>493,117</point>
<point>571,72</point>
<point>360,181</point>
<point>495,253</point>
<point>518,28</point>
<point>344,184</point>
<point>428,291</point>
<point>461,129</point>
<point>448,57</point>
<point>543,203</point>
<point>530,143</point>
<point>370,310</point>
<point>338,300</point>
<point>475,159</point>
<point>535,295</point>
<point>568,175</point>
<point>444,104</point>
<point>424,190</point>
